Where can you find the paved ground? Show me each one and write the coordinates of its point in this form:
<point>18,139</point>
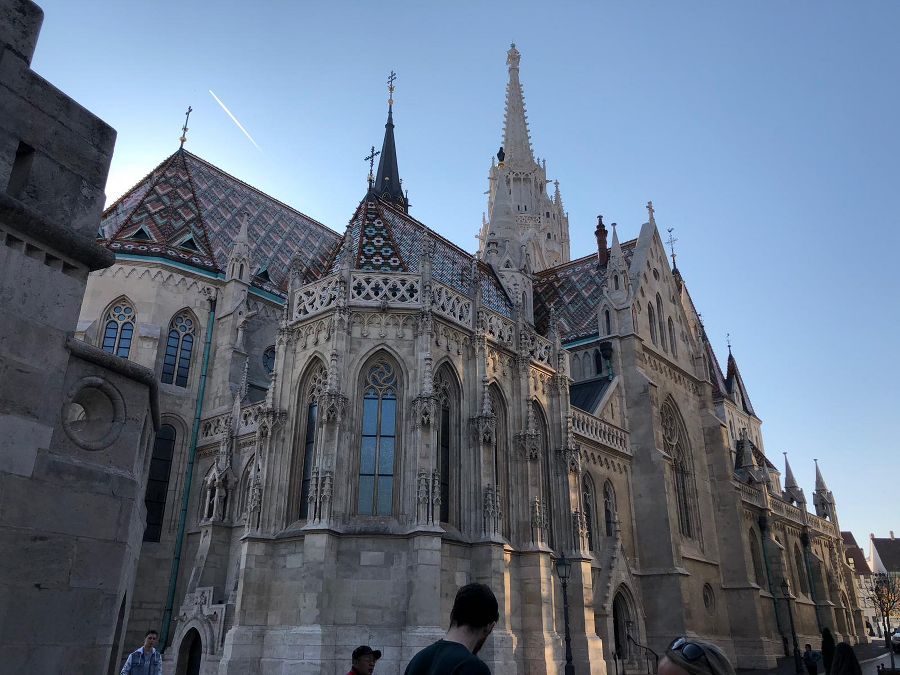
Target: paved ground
<point>870,657</point>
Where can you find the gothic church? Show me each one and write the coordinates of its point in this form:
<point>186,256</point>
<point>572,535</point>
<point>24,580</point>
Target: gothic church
<point>354,425</point>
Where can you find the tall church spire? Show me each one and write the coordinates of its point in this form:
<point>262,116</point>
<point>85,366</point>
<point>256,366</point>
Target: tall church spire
<point>387,181</point>
<point>516,140</point>
<point>541,223</point>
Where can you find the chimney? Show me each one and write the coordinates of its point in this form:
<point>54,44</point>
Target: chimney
<point>602,252</point>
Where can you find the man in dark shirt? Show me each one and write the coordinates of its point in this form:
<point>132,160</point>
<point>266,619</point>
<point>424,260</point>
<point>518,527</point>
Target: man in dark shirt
<point>474,614</point>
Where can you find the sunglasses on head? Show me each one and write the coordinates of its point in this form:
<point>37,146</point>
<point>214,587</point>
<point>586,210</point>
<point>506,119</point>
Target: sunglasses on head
<point>690,651</point>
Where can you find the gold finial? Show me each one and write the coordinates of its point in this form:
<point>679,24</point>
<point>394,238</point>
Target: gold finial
<point>184,129</point>
<point>391,79</point>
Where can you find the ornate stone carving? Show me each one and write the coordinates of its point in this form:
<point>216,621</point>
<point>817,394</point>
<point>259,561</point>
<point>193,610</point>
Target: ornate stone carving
<point>424,409</point>
<point>492,512</point>
<point>334,407</point>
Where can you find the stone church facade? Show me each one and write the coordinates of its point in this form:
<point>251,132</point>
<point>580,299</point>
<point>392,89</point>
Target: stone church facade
<point>353,426</point>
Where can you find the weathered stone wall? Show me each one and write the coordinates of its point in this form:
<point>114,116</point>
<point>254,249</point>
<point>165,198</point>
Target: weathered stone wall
<point>76,423</point>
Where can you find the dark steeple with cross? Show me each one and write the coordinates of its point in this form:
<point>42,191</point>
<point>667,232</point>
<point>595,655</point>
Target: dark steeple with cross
<point>387,185</point>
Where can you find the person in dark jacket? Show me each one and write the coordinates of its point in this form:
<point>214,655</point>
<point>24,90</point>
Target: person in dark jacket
<point>475,613</point>
<point>811,660</point>
<point>827,650</point>
<point>845,661</point>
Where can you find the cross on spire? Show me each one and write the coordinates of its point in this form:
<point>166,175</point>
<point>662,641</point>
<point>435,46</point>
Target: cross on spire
<point>390,81</point>
<point>670,241</point>
<point>184,129</point>
<point>371,160</point>
<point>650,211</point>
<point>728,342</point>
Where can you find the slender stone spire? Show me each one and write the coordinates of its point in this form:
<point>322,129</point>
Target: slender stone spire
<point>387,180</point>
<point>789,480</point>
<point>820,482</point>
<point>516,140</point>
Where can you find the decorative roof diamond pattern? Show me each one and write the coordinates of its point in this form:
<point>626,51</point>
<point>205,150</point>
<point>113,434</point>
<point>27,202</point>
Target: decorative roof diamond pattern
<point>185,193</point>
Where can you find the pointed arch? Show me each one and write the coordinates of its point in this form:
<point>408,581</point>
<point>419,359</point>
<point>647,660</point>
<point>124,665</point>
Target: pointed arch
<point>179,348</point>
<point>541,426</point>
<point>158,481</point>
<point>118,327</point>
<point>660,317</point>
<point>313,384</point>
<point>756,558</point>
<point>500,451</point>
<point>673,342</point>
<point>607,321</point>
<point>598,362</point>
<point>380,389</point>
<point>678,447</point>
<point>651,320</point>
<point>800,569</point>
<point>447,390</point>
<point>609,508</point>
<point>244,486</point>
<point>589,507</point>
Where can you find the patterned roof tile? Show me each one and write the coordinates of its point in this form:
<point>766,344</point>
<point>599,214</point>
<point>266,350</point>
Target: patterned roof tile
<point>187,196</point>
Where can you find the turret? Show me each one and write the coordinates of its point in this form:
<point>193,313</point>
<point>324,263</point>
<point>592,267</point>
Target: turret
<point>792,492</point>
<point>823,498</point>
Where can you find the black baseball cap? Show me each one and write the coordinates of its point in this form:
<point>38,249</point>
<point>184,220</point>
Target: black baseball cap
<point>365,650</point>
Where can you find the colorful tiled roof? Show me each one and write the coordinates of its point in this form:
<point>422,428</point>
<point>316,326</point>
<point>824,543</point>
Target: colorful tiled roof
<point>188,210</point>
<point>381,237</point>
<point>574,289</point>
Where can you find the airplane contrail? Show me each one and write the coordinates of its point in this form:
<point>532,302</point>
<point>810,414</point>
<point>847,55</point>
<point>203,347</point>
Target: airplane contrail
<point>234,119</point>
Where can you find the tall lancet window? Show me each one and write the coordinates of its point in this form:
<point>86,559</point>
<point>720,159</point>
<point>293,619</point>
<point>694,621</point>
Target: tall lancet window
<point>179,347</point>
<point>499,456</point>
<point>651,319</point>
<point>672,342</point>
<point>589,506</point>
<point>546,492</point>
<point>445,389</point>
<point>379,432</point>
<point>315,387</point>
<point>609,508</point>
<point>661,320</point>
<point>119,328</point>
<point>678,447</point>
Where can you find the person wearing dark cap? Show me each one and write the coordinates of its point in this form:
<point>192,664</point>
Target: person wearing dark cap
<point>686,656</point>
<point>474,614</point>
<point>364,658</point>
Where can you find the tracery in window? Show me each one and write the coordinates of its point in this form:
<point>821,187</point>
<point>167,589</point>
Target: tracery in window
<point>315,388</point>
<point>678,447</point>
<point>119,328</point>
<point>378,439</point>
<point>179,347</point>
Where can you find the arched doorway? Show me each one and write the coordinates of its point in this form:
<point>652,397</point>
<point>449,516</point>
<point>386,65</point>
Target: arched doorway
<point>190,654</point>
<point>623,626</point>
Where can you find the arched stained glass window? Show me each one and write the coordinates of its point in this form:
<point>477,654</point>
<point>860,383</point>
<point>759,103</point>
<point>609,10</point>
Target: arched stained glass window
<point>675,438</point>
<point>589,504</point>
<point>609,509</point>
<point>378,439</point>
<point>119,328</point>
<point>179,347</point>
<point>317,382</point>
<point>158,481</point>
<point>499,455</point>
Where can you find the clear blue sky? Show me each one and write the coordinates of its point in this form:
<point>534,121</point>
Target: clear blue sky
<point>766,133</point>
